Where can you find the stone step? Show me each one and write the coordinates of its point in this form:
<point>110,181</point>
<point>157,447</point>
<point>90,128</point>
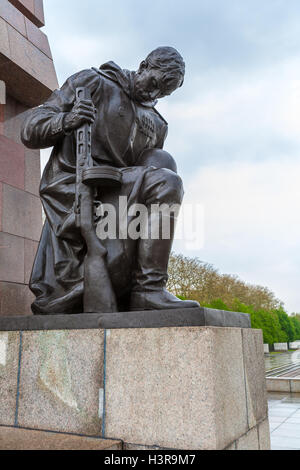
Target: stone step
<point>25,439</point>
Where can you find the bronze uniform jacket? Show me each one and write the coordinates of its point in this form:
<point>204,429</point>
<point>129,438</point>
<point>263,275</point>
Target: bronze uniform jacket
<point>122,130</point>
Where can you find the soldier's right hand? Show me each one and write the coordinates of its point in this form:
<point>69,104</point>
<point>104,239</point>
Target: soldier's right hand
<point>83,112</point>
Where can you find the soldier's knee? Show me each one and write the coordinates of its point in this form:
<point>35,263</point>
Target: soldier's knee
<point>171,186</point>
<point>157,158</point>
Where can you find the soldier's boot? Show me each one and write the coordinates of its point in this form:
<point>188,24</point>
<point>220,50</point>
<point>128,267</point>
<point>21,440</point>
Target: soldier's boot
<point>150,278</point>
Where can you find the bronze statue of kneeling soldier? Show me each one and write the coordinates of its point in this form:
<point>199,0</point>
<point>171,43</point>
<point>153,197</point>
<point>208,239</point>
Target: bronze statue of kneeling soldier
<point>107,140</point>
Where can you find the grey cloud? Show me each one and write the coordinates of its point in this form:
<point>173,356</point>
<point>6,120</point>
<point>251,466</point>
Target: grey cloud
<point>209,33</point>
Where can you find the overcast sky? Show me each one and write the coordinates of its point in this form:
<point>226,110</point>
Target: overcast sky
<point>234,128</point>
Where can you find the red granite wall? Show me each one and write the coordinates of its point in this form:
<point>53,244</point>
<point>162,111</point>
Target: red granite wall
<point>28,73</point>
<point>33,9</point>
<point>26,63</point>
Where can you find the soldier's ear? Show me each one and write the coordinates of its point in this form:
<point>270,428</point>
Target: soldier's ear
<point>143,66</point>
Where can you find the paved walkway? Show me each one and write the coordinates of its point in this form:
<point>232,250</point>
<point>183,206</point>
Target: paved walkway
<point>284,418</point>
<point>282,360</point>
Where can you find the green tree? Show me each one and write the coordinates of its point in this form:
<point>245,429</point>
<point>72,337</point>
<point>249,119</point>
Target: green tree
<point>218,304</point>
<point>296,322</point>
<point>268,322</point>
<point>239,306</point>
<point>190,278</point>
<point>286,324</point>
<point>197,280</point>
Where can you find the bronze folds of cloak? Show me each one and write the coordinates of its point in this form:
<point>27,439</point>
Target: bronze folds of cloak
<point>107,140</point>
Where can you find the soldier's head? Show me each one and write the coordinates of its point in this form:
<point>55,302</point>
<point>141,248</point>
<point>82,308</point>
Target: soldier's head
<point>161,73</point>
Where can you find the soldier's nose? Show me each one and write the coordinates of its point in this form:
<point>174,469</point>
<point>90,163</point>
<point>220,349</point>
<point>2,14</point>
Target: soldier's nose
<point>154,94</point>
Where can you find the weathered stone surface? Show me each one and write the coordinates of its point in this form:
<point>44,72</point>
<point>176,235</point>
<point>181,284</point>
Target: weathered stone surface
<point>2,97</point>
<point>2,106</point>
<point>27,78</point>
<point>175,381</point>
<point>38,38</point>
<point>24,439</point>
<point>2,118</point>
<point>33,9</point>
<point>127,446</point>
<point>32,171</point>
<point>22,85</point>
<point>39,11</point>
<point>11,258</point>
<point>295,386</point>
<point>16,299</point>
<point>229,384</point>
<point>28,72</point>
<point>9,358</point>
<point>61,381</point>
<point>30,58</point>
<point>12,16</point>
<point>278,385</point>
<point>249,441</point>
<point>120,320</point>
<point>24,26</point>
<point>14,116</point>
<point>1,197</point>
<point>29,256</point>
<point>226,318</point>
<point>264,435</point>
<point>231,446</point>
<point>4,40</point>
<point>255,376</point>
<point>22,213</point>
<point>12,165</point>
<point>165,388</point>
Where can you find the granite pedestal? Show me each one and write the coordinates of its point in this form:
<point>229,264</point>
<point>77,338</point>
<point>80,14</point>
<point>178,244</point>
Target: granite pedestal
<point>165,385</point>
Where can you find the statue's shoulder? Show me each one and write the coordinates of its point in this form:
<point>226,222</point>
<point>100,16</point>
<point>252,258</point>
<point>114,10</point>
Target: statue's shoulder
<point>160,116</point>
<point>83,78</point>
<point>98,71</point>
<point>104,74</point>
<point>82,74</point>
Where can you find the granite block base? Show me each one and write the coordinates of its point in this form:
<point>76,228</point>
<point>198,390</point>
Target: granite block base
<point>187,388</point>
<point>25,439</point>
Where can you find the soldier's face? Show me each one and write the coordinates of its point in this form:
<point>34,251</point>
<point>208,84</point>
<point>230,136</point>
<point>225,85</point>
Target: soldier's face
<point>149,85</point>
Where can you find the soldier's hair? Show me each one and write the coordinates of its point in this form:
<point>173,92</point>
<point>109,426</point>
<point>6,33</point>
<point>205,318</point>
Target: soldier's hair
<point>170,61</point>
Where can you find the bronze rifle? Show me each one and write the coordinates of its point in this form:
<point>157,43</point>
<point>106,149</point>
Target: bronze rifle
<point>99,296</point>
